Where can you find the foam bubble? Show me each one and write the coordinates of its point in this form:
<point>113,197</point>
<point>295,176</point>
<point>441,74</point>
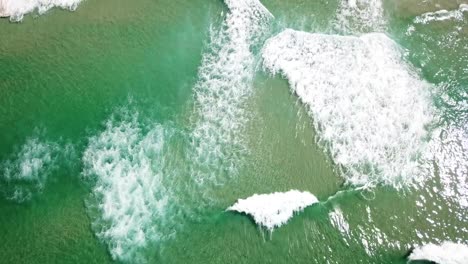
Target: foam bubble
<point>26,172</point>
<point>16,9</point>
<point>445,253</point>
<point>225,78</point>
<point>274,209</point>
<point>442,15</point>
<point>129,201</point>
<point>369,108</point>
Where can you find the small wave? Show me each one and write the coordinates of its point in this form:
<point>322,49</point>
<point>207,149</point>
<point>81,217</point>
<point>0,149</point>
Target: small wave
<point>275,209</point>
<point>16,9</point>
<point>370,109</point>
<point>442,15</point>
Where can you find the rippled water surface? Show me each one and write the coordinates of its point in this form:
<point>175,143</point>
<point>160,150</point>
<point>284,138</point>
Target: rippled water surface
<point>128,128</point>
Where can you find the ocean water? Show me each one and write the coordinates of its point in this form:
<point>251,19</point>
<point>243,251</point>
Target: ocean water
<point>128,128</point>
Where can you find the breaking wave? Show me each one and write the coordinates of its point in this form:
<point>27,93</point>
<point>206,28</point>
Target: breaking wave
<point>136,198</point>
<point>274,209</point>
<point>16,9</point>
<point>225,78</point>
<point>370,109</point>
<point>445,253</point>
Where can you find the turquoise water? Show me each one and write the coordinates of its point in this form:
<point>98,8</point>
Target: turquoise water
<point>163,112</point>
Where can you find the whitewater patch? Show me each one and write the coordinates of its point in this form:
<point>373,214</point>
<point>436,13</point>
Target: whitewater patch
<point>16,9</point>
<point>26,172</point>
<point>360,16</point>
<point>129,200</point>
<point>445,253</point>
<point>275,209</point>
<point>224,84</point>
<point>442,15</point>
<point>369,108</point>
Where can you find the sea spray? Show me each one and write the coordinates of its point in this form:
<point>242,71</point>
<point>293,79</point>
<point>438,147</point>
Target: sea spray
<point>369,108</point>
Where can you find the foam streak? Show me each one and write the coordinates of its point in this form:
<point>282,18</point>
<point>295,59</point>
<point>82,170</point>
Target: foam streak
<point>225,78</point>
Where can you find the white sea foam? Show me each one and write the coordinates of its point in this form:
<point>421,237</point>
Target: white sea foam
<point>442,15</point>
<point>27,171</point>
<point>129,201</point>
<point>369,108</point>
<point>358,16</point>
<point>16,9</point>
<point>445,253</point>
<point>225,77</point>
<point>275,209</point>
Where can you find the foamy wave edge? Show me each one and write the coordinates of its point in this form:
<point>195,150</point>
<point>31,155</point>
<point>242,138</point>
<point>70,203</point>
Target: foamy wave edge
<point>16,9</point>
<point>445,253</point>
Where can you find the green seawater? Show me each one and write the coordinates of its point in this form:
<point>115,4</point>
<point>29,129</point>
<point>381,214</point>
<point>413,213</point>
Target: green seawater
<point>63,75</point>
